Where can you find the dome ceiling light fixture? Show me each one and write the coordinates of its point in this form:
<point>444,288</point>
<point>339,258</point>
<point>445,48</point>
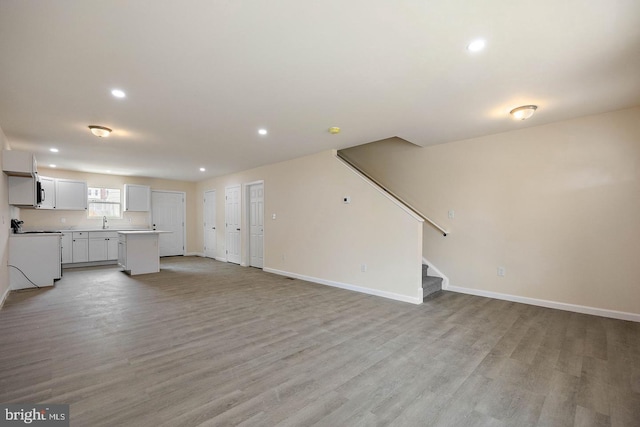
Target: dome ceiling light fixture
<point>100,131</point>
<point>524,112</point>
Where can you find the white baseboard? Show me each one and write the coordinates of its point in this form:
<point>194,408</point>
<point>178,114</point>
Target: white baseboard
<point>221,259</point>
<point>200,254</point>
<point>4,296</point>
<point>384,294</point>
<point>622,315</point>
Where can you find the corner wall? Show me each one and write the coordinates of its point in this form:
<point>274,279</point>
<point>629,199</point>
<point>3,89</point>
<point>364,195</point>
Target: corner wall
<point>557,205</point>
<point>317,237</point>
<point>5,225</point>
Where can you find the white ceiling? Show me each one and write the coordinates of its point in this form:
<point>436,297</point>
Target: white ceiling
<point>202,76</point>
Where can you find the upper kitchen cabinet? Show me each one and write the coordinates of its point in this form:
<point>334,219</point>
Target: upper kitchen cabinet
<point>19,163</point>
<point>48,189</point>
<point>71,195</point>
<point>137,198</point>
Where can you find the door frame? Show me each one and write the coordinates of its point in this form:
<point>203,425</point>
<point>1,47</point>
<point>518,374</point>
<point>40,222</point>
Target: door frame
<point>246,255</point>
<point>204,208</point>
<point>184,215</point>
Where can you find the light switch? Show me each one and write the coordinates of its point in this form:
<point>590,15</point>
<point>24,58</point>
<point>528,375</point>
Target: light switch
<point>452,214</point>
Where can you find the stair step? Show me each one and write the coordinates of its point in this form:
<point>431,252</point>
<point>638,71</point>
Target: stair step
<point>425,267</point>
<point>430,285</point>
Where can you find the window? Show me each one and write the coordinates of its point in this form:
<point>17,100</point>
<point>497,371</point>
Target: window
<point>104,202</point>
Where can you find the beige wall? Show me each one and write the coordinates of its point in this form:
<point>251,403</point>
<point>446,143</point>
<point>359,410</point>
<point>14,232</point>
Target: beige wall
<point>52,219</point>
<point>5,212</point>
<point>557,205</point>
<point>318,236</point>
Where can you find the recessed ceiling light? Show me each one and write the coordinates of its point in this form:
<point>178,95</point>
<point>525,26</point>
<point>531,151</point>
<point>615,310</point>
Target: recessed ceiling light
<point>52,166</point>
<point>118,93</point>
<point>100,131</point>
<point>476,45</point>
<point>524,112</point>
<point>262,131</point>
<point>53,150</point>
<point>202,169</point>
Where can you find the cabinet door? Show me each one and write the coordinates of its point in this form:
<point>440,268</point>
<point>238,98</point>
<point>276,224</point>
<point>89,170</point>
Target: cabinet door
<point>80,250</point>
<point>137,198</point>
<point>122,252</point>
<point>98,249</point>
<point>71,195</point>
<point>112,248</point>
<point>67,252</point>
<point>22,191</point>
<point>48,193</point>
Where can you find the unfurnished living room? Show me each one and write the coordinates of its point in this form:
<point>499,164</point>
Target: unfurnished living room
<point>337,213</point>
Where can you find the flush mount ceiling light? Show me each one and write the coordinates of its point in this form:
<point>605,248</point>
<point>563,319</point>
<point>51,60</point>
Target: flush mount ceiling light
<point>476,45</point>
<point>118,93</point>
<point>202,169</point>
<point>262,131</point>
<point>53,150</point>
<point>100,131</point>
<point>52,166</point>
<point>334,130</point>
<point>524,112</point>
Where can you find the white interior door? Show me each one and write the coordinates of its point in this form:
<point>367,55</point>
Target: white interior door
<point>167,214</point>
<point>256,224</point>
<point>210,237</point>
<point>232,223</point>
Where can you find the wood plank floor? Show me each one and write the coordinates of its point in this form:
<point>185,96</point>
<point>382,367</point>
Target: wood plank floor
<point>204,343</point>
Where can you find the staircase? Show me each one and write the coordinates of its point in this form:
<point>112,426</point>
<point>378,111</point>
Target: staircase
<point>430,284</point>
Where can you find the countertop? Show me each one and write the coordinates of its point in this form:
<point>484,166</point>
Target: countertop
<point>143,232</point>
<point>52,234</point>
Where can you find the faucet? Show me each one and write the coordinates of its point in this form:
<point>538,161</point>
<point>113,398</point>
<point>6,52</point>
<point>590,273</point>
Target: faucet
<point>104,222</point>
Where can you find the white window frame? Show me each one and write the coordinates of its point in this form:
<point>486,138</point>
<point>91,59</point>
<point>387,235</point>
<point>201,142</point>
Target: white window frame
<point>90,202</point>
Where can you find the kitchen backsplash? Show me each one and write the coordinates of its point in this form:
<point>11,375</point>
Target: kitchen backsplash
<point>35,219</point>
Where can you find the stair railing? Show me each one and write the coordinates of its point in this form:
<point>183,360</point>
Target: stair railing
<point>348,162</point>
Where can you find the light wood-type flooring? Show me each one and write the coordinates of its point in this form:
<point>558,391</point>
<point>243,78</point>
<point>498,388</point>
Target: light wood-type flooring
<point>214,344</point>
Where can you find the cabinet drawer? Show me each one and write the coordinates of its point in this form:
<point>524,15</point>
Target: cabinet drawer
<point>80,235</point>
<point>103,234</point>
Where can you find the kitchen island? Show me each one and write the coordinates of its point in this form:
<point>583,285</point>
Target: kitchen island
<point>139,251</point>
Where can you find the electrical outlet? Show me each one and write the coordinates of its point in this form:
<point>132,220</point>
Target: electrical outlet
<point>363,267</point>
<point>283,257</point>
<point>273,216</point>
<point>63,220</point>
<point>452,214</point>
<point>502,271</point>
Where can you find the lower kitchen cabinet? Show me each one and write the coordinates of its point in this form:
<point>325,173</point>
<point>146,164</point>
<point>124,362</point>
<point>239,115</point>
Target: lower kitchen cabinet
<point>103,245</point>
<point>67,250</point>
<point>80,246</point>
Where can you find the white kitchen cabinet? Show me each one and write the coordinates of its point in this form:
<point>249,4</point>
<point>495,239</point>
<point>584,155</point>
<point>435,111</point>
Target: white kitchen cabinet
<point>139,252</point>
<point>80,246</point>
<point>137,198</point>
<point>19,163</point>
<point>71,194</point>
<point>48,187</point>
<point>36,258</point>
<point>67,248</point>
<point>22,191</point>
<point>103,245</point>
